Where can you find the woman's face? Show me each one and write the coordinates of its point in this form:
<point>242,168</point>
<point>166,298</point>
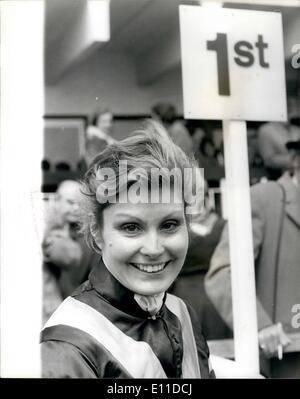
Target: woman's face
<point>144,245</point>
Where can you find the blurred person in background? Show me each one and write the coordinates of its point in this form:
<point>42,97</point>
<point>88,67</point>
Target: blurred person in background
<point>66,256</point>
<point>196,131</point>
<point>272,139</point>
<point>206,156</point>
<point>165,113</point>
<point>276,239</point>
<point>98,134</point>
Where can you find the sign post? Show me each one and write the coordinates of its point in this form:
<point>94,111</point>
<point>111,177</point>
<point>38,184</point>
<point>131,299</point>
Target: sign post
<point>233,70</point>
<point>241,249</point>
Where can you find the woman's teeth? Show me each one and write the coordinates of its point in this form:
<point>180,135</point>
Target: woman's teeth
<point>158,267</point>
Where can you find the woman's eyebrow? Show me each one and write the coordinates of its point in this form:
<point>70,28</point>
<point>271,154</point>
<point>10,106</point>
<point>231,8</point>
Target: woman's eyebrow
<point>128,215</point>
<point>174,214</point>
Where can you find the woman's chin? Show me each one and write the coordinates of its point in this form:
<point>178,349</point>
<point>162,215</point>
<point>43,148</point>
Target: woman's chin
<point>149,289</point>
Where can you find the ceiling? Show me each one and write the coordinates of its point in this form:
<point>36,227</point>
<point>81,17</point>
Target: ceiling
<point>146,29</point>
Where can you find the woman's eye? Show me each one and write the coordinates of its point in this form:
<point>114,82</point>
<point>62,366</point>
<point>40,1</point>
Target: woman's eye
<point>170,226</point>
<point>130,228</point>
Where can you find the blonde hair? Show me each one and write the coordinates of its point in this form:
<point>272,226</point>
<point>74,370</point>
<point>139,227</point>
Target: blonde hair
<point>146,148</point>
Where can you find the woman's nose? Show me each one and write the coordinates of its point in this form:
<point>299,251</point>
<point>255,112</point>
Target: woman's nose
<point>152,245</point>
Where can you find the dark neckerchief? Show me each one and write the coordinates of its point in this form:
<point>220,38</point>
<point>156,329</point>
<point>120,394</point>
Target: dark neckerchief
<point>115,293</point>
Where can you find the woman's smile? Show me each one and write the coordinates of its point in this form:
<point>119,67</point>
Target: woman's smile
<point>150,267</point>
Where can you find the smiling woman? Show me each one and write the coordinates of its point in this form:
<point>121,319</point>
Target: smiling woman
<point>121,323</point>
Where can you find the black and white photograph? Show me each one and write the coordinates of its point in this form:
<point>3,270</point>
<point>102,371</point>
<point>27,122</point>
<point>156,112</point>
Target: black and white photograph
<point>150,192</point>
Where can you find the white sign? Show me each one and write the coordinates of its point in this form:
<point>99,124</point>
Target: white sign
<point>232,64</point>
